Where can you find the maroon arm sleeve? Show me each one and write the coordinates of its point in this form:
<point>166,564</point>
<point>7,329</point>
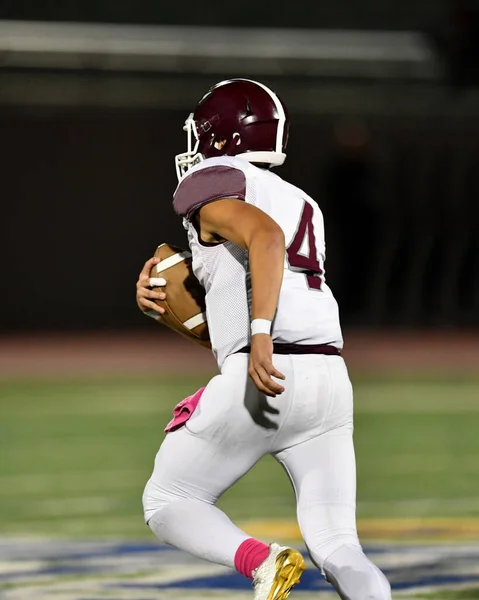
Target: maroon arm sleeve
<point>207,185</point>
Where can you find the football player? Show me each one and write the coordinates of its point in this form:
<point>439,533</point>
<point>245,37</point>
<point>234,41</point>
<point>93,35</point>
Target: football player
<point>258,249</point>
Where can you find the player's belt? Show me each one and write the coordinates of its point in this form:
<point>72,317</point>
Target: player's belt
<point>300,349</point>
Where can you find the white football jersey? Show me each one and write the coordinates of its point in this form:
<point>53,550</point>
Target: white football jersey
<point>307,312</point>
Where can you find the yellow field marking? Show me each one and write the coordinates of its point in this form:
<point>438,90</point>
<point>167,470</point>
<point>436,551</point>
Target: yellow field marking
<point>447,529</point>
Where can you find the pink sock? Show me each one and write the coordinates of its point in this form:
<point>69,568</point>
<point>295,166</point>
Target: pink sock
<point>250,554</point>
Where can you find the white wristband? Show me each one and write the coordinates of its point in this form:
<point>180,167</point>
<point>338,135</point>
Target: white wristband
<point>260,326</point>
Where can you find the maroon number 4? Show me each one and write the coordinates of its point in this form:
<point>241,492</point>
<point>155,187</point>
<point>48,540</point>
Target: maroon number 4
<point>308,264</point>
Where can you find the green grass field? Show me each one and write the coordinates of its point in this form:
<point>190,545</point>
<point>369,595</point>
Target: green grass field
<point>75,455</point>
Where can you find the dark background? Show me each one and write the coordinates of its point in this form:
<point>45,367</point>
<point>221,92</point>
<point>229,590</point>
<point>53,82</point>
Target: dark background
<point>86,190</point>
<point>88,198</point>
<point>384,14</point>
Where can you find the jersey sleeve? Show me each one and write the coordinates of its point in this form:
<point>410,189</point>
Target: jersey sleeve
<point>207,185</point>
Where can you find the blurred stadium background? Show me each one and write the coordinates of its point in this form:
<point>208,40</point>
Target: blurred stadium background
<point>384,105</point>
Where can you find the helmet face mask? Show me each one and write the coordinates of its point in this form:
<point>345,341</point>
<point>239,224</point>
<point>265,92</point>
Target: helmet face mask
<point>191,157</point>
<point>237,117</point>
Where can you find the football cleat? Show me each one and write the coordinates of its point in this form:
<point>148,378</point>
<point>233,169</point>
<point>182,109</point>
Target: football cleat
<point>278,574</point>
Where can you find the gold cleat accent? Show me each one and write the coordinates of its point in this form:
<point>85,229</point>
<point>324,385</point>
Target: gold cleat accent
<point>289,568</point>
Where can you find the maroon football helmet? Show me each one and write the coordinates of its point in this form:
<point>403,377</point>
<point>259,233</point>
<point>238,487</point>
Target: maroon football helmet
<point>237,117</point>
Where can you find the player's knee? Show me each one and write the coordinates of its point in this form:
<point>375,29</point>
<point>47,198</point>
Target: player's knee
<point>326,526</point>
<point>354,576</point>
<point>158,510</point>
<point>321,547</point>
<point>368,585</point>
<point>154,499</point>
<point>158,523</point>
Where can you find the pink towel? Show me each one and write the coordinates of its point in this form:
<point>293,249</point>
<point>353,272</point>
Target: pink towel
<point>183,411</point>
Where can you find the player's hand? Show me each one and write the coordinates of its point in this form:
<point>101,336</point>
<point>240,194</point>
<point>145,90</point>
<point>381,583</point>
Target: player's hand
<point>145,296</point>
<point>261,369</point>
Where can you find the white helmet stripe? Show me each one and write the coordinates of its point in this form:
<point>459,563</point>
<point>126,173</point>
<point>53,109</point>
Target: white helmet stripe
<point>279,108</point>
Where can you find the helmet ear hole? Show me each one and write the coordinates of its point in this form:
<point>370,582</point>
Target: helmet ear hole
<point>237,137</point>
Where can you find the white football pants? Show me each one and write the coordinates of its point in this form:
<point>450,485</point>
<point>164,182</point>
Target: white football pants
<point>308,429</point>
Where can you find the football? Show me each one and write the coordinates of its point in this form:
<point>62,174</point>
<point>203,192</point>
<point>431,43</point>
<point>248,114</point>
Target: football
<point>185,307</point>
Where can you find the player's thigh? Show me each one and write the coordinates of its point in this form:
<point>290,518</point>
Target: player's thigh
<point>323,474</point>
<point>188,466</point>
<point>212,451</point>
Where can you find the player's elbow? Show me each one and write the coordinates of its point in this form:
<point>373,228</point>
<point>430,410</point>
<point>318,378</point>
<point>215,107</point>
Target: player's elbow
<point>276,239</point>
<point>271,237</point>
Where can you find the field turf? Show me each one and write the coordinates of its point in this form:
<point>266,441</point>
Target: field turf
<point>76,454</point>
